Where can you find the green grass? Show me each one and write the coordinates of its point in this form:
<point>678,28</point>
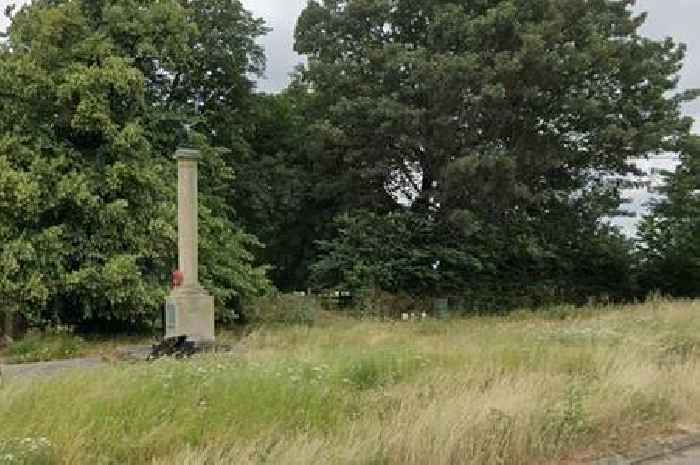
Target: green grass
<point>525,389</point>
<point>52,346</point>
<point>38,347</point>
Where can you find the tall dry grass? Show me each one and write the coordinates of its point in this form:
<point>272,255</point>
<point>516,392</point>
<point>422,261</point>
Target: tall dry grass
<point>531,388</point>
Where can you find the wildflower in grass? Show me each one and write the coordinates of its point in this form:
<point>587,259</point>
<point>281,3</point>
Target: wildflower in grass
<point>25,451</point>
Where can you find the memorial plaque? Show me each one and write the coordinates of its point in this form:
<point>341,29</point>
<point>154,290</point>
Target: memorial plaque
<point>170,315</point>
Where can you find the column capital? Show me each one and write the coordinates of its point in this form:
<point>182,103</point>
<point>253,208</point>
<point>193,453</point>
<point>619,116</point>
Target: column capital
<point>187,154</point>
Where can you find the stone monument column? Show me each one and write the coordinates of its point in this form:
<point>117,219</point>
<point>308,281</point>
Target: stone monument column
<point>187,216</point>
<point>189,310</point>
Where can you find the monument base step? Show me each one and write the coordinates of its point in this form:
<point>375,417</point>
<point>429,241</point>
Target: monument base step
<point>190,313</point>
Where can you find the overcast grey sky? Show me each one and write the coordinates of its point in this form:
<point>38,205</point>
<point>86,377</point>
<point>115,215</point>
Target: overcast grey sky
<point>281,16</point>
<point>675,18</point>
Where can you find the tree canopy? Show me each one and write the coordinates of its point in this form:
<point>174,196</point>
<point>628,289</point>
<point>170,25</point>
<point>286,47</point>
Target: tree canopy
<point>670,235</point>
<point>427,147</point>
<point>497,116</point>
<point>92,96</point>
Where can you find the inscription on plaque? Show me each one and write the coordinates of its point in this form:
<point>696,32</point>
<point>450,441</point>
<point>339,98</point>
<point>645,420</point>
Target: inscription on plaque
<point>170,315</point>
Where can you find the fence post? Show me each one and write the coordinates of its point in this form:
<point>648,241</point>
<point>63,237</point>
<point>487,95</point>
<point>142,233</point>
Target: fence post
<point>441,308</point>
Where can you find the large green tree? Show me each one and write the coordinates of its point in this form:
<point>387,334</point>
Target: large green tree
<point>275,177</point>
<point>92,96</point>
<point>494,104</point>
<point>498,116</point>
<point>670,235</point>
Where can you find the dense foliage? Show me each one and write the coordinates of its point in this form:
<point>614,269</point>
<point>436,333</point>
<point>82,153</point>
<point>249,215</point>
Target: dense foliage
<point>276,185</point>
<point>428,147</point>
<point>486,268</point>
<point>670,249</point>
<point>496,121</point>
<point>92,96</point>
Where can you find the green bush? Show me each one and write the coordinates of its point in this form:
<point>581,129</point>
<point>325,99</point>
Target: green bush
<point>42,347</point>
<point>376,303</point>
<point>88,185</point>
<point>283,309</point>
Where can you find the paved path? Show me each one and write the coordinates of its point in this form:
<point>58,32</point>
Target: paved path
<point>681,450</point>
<point>687,457</point>
<point>33,370</point>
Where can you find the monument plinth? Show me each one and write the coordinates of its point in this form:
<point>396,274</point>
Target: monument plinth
<point>189,309</point>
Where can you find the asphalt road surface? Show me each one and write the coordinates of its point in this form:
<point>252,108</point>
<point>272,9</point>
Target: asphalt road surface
<point>688,457</point>
<point>33,370</point>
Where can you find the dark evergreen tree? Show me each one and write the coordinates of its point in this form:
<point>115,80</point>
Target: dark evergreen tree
<point>670,235</point>
<point>496,116</point>
<point>274,187</point>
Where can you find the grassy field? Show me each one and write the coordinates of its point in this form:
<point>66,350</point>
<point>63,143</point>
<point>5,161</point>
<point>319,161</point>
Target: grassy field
<point>531,388</point>
<point>40,347</point>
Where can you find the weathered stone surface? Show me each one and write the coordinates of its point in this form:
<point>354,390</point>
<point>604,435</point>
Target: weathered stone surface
<point>187,219</point>
<point>189,310</point>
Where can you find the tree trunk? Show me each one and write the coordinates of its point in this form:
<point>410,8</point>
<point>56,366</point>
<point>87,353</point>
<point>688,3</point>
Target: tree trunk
<point>8,323</point>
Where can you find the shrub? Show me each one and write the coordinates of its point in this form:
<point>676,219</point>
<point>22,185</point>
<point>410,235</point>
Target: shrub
<point>380,304</point>
<point>41,347</point>
<point>283,309</point>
